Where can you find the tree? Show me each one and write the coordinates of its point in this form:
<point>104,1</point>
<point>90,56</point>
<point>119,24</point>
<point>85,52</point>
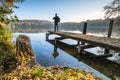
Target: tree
<point>117,21</point>
<point>7,50</point>
<point>6,9</point>
<point>9,3</point>
<point>112,9</point>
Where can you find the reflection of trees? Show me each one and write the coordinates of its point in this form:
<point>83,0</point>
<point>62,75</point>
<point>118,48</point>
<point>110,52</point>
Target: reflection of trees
<point>94,25</point>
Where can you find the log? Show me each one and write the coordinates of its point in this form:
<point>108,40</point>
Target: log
<point>23,45</point>
<point>24,49</point>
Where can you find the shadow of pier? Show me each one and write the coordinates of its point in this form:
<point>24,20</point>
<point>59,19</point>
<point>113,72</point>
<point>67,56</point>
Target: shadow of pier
<point>106,67</point>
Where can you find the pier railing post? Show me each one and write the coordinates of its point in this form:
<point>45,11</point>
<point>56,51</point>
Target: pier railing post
<point>110,28</point>
<point>84,30</point>
<point>109,33</point>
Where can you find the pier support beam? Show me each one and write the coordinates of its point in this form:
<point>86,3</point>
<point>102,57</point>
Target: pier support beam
<point>82,47</point>
<point>78,43</point>
<point>47,36</point>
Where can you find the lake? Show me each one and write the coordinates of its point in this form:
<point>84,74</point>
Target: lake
<point>49,55</point>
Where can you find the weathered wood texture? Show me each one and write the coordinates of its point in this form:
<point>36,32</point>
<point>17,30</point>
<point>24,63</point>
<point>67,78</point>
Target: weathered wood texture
<point>105,42</point>
<point>109,68</point>
<point>24,49</point>
<point>23,45</point>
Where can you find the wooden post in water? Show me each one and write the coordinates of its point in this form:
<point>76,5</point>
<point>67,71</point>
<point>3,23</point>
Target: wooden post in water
<point>109,33</point>
<point>84,31</point>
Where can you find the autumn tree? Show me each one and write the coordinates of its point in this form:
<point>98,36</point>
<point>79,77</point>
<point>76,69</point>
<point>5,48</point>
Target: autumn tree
<point>7,51</point>
<point>6,9</point>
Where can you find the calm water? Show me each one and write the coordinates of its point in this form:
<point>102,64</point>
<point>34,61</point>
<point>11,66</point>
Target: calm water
<point>48,55</point>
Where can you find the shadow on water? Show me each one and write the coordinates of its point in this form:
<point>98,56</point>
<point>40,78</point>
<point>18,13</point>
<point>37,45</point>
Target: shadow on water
<point>109,68</point>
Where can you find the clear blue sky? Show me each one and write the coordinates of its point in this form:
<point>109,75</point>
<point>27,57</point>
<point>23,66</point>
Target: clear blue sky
<point>68,10</point>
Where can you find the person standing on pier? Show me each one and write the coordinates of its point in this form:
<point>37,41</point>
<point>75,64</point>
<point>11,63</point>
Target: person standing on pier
<point>56,21</point>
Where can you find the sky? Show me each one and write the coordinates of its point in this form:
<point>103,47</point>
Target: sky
<point>67,10</point>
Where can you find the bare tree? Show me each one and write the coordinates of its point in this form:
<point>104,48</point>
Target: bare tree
<point>112,9</point>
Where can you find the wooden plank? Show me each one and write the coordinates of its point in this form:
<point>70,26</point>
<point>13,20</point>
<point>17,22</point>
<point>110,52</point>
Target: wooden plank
<point>87,46</point>
<point>60,38</point>
<point>108,43</point>
<point>97,56</point>
<point>101,56</point>
<point>82,47</point>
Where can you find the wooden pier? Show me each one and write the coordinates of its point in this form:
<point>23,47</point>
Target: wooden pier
<point>89,40</point>
<point>106,67</point>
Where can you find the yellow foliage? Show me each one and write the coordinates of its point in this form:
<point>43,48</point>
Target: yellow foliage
<point>15,78</point>
<point>9,3</point>
<point>37,78</point>
<point>80,75</point>
<point>38,72</point>
<point>70,71</point>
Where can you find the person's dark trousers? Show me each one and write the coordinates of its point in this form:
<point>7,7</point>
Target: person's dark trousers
<point>56,28</point>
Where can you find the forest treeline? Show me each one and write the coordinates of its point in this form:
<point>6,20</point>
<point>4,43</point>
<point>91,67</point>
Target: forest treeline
<point>43,25</point>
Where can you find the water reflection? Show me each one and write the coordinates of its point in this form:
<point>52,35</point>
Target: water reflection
<point>103,65</point>
<point>55,52</point>
<point>49,54</point>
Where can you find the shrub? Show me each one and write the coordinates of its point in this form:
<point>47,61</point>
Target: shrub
<point>7,51</point>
